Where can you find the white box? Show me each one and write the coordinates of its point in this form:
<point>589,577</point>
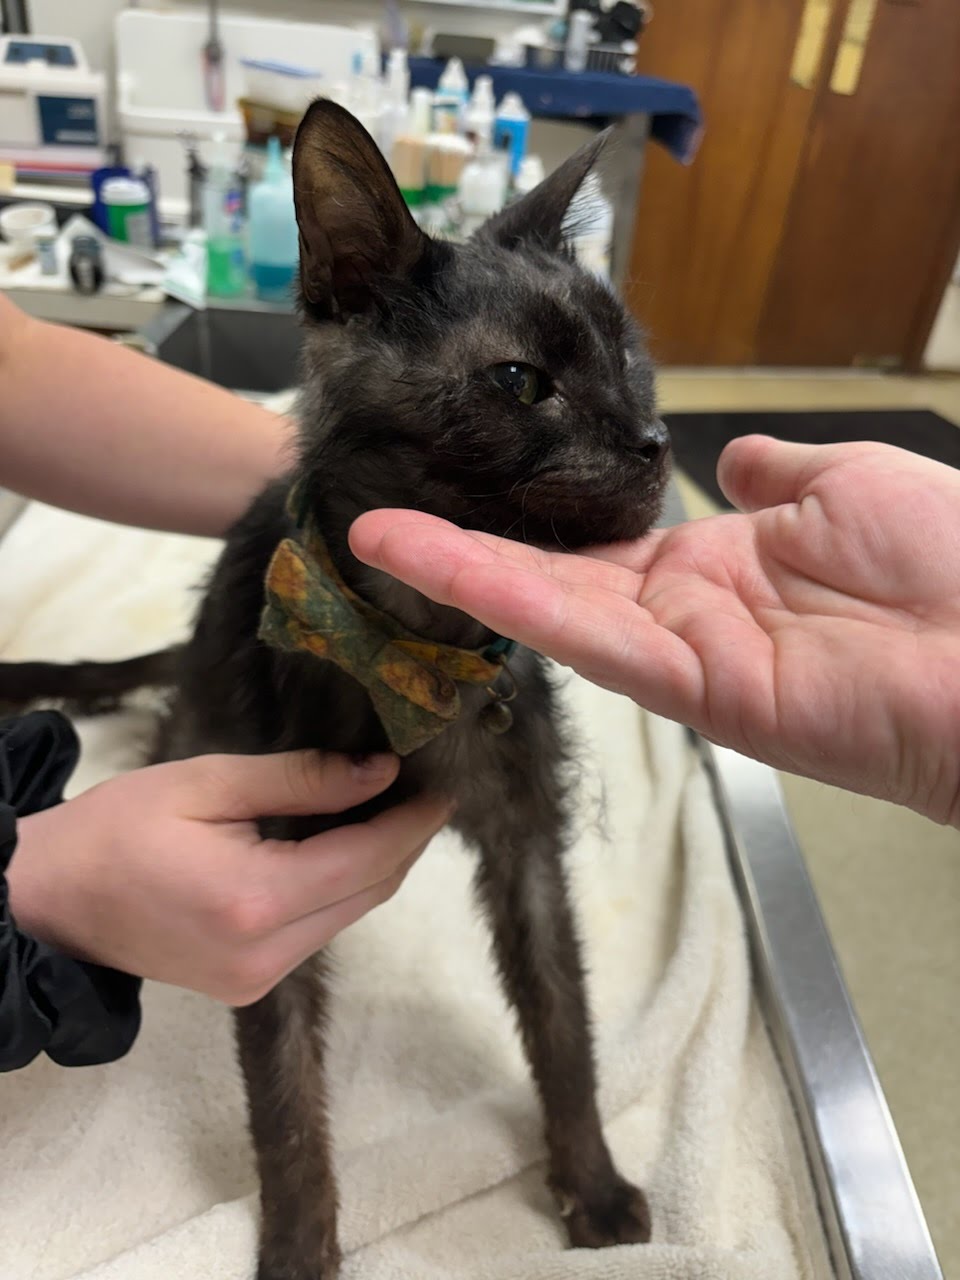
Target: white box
<point>52,106</point>
<point>160,87</point>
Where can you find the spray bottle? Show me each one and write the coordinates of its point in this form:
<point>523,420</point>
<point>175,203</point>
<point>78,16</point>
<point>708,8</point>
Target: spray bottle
<point>223,223</point>
<point>274,244</point>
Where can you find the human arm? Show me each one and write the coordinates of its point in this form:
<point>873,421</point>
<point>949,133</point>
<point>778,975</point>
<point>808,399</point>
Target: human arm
<point>91,426</point>
<point>818,631</point>
<point>161,872</point>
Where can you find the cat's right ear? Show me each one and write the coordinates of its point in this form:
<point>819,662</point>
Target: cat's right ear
<point>538,217</point>
<point>356,232</point>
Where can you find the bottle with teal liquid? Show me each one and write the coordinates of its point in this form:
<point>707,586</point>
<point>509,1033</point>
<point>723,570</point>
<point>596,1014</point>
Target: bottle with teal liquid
<point>273,236</point>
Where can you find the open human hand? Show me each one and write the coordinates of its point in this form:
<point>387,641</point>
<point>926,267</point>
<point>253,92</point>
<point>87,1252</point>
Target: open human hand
<point>818,631</point>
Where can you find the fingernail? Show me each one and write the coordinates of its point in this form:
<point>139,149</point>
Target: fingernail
<point>379,765</point>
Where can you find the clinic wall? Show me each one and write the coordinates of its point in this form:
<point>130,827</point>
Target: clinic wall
<point>91,21</point>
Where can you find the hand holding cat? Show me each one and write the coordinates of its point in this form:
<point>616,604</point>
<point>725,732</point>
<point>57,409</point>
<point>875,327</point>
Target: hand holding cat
<point>162,873</point>
<point>818,631</point>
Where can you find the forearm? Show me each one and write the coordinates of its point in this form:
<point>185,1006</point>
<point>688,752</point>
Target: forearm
<point>90,426</point>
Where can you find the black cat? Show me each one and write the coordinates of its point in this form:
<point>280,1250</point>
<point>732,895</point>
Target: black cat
<point>500,386</point>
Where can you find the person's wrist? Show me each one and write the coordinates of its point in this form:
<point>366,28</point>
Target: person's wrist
<point>34,885</point>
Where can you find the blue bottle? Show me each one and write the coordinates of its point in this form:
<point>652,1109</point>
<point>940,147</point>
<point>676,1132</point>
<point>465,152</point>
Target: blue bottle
<point>510,128</point>
<point>273,237</point>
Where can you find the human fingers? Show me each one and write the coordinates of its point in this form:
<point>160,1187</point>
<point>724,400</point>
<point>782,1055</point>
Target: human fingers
<point>300,879</point>
<point>604,636</point>
<point>755,472</point>
<point>235,788</point>
<point>259,967</point>
<point>427,553</point>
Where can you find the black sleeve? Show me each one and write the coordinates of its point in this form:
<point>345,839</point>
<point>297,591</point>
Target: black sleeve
<point>78,1013</point>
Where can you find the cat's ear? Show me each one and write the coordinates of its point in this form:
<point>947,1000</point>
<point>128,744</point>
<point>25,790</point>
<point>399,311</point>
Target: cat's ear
<point>355,229</point>
<point>538,216</point>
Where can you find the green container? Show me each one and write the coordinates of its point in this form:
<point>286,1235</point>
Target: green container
<point>226,267</point>
<point>127,204</point>
<point>436,194</point>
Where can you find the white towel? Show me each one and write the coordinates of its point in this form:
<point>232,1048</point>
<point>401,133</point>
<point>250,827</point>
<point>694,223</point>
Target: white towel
<point>142,1170</point>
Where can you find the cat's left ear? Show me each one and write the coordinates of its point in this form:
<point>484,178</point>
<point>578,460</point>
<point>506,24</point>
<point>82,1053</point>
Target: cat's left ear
<point>355,229</point>
<point>538,216</point>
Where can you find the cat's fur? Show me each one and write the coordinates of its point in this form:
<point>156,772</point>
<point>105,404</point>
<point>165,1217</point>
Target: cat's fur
<point>398,409</point>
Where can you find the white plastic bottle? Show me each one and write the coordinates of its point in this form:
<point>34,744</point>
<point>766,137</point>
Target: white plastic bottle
<point>589,223</point>
<point>364,93</point>
<point>421,112</point>
<point>393,106</point>
<point>482,190</point>
<point>450,100</point>
<point>398,74</point>
<point>481,109</point>
<point>530,174</point>
<point>579,29</point>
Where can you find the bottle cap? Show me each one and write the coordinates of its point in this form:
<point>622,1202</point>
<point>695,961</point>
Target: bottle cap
<point>454,78</point>
<point>512,108</point>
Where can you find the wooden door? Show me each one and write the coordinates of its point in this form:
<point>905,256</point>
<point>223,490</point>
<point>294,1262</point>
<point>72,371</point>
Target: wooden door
<point>736,258</point>
<point>873,225</point>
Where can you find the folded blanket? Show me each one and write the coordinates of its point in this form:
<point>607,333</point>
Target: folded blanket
<point>142,1170</point>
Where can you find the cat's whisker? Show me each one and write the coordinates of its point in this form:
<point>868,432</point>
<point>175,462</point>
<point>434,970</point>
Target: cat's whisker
<point>553,529</point>
<point>523,510</point>
<point>473,510</point>
<point>514,487</point>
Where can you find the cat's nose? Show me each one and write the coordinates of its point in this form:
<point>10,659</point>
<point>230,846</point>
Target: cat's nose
<point>652,443</point>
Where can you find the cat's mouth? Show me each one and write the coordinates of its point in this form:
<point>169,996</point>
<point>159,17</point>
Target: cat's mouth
<point>558,510</point>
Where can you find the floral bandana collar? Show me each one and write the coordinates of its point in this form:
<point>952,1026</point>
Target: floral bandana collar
<point>412,683</point>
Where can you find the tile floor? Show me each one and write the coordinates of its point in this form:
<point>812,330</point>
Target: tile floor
<point>888,881</point>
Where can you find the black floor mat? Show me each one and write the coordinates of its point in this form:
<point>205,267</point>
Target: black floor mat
<point>699,438</point>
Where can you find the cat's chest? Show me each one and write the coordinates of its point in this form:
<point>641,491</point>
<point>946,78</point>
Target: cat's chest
<point>472,757</point>
<point>465,762</point>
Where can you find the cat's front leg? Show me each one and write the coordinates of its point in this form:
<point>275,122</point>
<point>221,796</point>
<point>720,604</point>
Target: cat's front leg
<point>280,1040</point>
<point>523,889</point>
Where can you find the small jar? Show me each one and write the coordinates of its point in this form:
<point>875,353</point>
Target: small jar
<point>86,264</point>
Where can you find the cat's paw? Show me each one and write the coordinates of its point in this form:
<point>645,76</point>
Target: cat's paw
<point>597,1217</point>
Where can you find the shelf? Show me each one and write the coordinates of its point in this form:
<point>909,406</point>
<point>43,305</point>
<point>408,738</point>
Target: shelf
<point>538,9</point>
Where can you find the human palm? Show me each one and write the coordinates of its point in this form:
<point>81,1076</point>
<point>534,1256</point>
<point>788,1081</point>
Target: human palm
<point>819,631</point>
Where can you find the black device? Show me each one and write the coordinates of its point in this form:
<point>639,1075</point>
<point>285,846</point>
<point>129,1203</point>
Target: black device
<point>623,22</point>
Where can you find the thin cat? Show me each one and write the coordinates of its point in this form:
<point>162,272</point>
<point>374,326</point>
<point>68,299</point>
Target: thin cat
<point>498,385</point>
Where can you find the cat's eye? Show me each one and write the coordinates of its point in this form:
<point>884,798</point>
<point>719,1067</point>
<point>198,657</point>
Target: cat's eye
<point>523,381</point>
